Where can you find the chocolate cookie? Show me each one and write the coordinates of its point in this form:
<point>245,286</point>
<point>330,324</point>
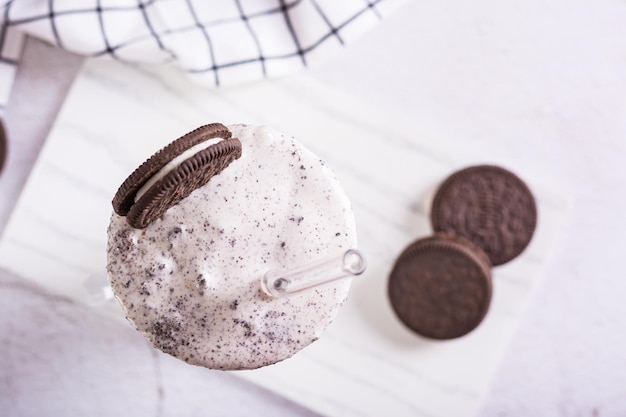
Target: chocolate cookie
<point>440,286</point>
<point>489,206</point>
<point>3,146</point>
<point>177,184</point>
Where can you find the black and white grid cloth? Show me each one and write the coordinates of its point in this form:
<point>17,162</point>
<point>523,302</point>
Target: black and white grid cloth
<point>216,42</point>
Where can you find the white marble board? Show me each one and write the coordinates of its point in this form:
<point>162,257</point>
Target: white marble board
<point>367,363</point>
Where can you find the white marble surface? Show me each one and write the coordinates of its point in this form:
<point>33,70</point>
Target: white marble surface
<point>56,237</point>
<point>539,86</point>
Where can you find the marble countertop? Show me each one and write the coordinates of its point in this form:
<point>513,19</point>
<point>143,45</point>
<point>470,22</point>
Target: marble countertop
<point>541,86</point>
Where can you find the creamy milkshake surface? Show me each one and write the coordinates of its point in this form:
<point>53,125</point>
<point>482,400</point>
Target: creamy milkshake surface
<point>189,281</point>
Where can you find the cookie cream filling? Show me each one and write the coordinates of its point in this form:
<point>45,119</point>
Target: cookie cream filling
<point>174,163</point>
<point>190,281</point>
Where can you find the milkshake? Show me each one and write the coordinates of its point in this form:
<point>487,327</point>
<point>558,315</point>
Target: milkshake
<point>189,280</point>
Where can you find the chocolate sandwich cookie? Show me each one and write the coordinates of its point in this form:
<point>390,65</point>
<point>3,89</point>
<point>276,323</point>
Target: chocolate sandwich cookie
<point>440,286</point>
<point>181,180</point>
<point>489,206</point>
<point>3,146</point>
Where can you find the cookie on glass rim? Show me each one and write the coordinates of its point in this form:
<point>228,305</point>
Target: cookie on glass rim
<point>174,172</point>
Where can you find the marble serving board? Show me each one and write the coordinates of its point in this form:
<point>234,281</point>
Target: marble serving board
<point>367,363</point>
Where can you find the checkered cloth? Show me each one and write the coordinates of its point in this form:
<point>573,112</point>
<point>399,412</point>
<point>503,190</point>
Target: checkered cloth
<point>216,42</point>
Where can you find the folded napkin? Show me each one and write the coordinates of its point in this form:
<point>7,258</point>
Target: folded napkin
<point>216,42</point>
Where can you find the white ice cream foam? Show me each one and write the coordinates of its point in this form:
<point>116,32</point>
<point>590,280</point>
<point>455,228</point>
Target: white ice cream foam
<point>174,163</point>
<point>190,280</point>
